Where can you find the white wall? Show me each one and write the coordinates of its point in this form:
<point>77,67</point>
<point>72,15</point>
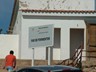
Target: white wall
<point>40,53</point>
<point>7,43</point>
<point>58,4</point>
<point>17,27</point>
<point>23,23</point>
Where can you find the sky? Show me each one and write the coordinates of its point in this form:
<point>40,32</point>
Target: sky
<point>6,8</point>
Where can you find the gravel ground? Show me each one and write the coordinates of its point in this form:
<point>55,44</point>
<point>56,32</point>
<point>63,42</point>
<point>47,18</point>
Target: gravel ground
<point>89,70</point>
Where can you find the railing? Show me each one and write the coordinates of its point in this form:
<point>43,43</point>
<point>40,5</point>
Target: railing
<point>75,60</point>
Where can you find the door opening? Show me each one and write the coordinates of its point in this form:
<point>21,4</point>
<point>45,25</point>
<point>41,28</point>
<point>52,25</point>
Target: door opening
<point>76,38</point>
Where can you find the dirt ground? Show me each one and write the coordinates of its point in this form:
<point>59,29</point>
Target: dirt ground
<point>87,66</point>
<point>89,69</point>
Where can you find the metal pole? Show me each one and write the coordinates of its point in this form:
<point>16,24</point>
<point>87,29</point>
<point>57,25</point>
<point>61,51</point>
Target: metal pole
<point>49,55</point>
<point>32,56</point>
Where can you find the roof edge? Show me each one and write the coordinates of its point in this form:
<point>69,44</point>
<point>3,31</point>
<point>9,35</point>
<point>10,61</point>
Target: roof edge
<point>63,11</point>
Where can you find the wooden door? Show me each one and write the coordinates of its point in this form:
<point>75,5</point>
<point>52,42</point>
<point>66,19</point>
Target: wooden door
<point>91,41</point>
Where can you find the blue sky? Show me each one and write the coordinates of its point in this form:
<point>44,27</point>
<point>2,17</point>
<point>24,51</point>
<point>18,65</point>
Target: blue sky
<point>6,7</point>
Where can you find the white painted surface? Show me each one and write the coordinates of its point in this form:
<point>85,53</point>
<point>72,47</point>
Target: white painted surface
<point>40,53</point>
<point>58,4</point>
<point>56,54</point>
<point>17,27</point>
<point>7,43</point>
<point>23,23</point>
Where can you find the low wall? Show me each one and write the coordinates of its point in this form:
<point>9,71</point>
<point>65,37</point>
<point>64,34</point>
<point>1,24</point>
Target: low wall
<point>87,65</point>
<point>26,63</point>
<point>7,43</point>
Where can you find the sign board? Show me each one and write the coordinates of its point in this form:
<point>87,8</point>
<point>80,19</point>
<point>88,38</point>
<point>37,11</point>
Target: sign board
<point>41,35</point>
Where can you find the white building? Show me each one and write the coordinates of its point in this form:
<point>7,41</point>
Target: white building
<point>69,31</point>
<point>69,17</point>
<point>58,4</point>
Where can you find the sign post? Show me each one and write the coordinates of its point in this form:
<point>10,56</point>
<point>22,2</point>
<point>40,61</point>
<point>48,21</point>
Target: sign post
<point>32,56</point>
<point>41,36</point>
<point>49,55</point>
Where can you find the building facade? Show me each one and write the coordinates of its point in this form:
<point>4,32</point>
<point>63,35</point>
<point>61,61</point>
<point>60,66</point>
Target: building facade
<point>69,31</point>
<point>70,18</point>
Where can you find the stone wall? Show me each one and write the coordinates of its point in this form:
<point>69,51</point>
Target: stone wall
<point>26,63</point>
<point>87,66</point>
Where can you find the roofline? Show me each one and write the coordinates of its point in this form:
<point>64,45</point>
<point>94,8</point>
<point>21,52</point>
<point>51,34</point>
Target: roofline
<point>60,11</point>
<point>13,17</point>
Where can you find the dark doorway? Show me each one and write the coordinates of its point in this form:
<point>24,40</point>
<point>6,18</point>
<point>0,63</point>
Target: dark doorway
<point>76,38</point>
